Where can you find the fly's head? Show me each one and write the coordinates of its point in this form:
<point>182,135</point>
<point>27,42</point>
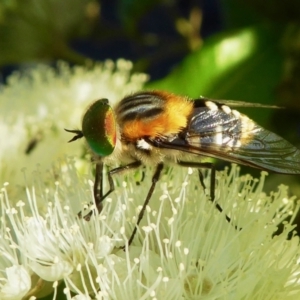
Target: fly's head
<point>98,128</point>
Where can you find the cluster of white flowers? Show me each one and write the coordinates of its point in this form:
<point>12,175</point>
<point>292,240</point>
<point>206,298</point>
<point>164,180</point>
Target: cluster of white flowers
<point>184,247</point>
<point>36,107</point>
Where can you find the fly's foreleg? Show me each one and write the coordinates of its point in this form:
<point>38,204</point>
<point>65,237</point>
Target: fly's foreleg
<point>98,185</point>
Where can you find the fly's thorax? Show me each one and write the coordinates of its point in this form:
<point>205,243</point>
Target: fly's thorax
<point>152,114</point>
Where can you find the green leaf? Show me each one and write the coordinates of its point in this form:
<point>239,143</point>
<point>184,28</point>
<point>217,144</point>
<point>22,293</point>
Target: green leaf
<point>241,65</point>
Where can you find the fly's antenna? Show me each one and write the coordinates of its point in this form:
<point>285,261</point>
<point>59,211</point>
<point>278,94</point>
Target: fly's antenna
<point>79,135</point>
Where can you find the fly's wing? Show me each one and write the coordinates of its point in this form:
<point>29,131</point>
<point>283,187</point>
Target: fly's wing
<point>235,103</point>
<point>226,134</point>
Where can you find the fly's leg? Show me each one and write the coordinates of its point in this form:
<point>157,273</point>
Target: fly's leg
<point>155,179</point>
<point>142,177</point>
<point>115,171</point>
<point>200,166</point>
<point>98,185</point>
<point>98,190</point>
<point>210,166</point>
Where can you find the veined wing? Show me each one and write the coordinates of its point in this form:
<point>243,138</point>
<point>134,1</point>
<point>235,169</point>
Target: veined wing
<point>235,103</point>
<point>233,137</point>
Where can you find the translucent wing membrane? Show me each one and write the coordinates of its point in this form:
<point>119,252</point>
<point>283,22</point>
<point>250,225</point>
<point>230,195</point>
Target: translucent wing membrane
<point>235,103</point>
<point>234,137</point>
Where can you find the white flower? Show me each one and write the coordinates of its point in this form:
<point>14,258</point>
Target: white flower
<point>36,107</point>
<point>15,279</point>
<point>15,283</point>
<point>184,248</point>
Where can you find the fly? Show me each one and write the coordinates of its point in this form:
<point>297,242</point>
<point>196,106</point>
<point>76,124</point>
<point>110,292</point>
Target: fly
<point>158,128</point>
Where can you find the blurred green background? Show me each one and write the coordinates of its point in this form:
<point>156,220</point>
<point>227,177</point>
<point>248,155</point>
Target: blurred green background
<point>245,50</point>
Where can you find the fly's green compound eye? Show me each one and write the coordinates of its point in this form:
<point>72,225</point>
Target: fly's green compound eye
<point>99,128</point>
